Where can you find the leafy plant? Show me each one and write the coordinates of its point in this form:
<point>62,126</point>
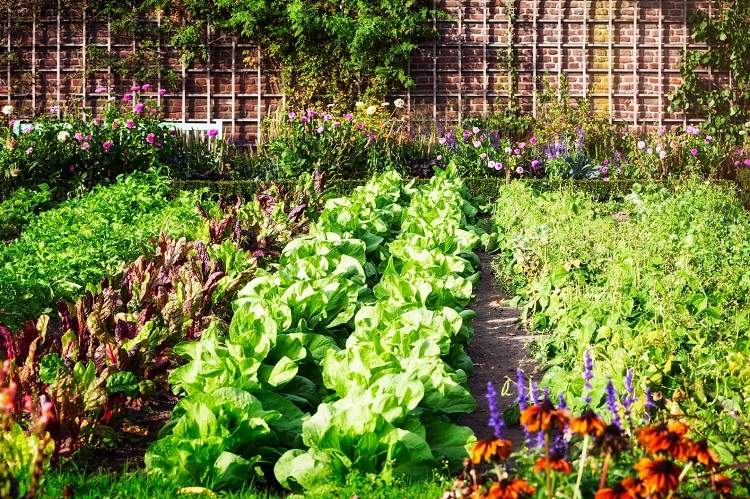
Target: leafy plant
<point>19,209</point>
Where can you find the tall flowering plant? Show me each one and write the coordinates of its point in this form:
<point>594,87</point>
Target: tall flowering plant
<point>621,455</point>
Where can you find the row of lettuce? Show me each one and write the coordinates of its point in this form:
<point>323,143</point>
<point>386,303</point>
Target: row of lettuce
<point>348,357</point>
<point>657,281</point>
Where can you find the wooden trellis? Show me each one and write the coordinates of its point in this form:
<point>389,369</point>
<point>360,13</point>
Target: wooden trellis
<point>458,74</point>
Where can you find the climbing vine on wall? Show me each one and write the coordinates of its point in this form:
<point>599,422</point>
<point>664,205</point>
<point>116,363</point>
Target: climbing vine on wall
<point>725,102</point>
<point>327,50</point>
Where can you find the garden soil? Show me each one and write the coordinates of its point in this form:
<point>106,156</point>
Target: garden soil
<point>500,345</point>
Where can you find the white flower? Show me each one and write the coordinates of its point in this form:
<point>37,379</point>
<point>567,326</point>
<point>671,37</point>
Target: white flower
<point>29,151</point>
<point>641,145</point>
<point>649,151</point>
<point>63,136</point>
<point>8,110</point>
<point>662,154</point>
<point>385,104</point>
<point>371,110</point>
<point>359,104</point>
<point>399,103</point>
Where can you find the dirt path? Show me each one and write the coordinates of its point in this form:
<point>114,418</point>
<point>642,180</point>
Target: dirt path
<point>499,346</point>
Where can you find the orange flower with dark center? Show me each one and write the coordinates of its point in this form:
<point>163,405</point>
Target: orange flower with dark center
<point>666,438</point>
<point>634,486</point>
<point>721,484</point>
<point>617,492</point>
<point>658,475</point>
<point>703,454</point>
<point>486,450</point>
<point>556,462</point>
<point>588,424</point>
<point>510,489</point>
<point>544,416</point>
<point>613,440</point>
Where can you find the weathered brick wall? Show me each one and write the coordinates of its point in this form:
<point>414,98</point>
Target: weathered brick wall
<point>623,54</point>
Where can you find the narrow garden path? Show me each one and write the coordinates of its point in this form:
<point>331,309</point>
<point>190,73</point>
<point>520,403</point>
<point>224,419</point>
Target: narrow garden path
<point>499,347</point>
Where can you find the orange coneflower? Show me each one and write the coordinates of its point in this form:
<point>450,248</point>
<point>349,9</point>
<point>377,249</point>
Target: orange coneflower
<point>617,492</point>
<point>556,462</point>
<point>702,453</point>
<point>658,475</point>
<point>486,450</point>
<point>588,424</point>
<point>666,438</point>
<point>544,416</point>
<point>634,486</point>
<point>721,484</point>
<point>510,489</point>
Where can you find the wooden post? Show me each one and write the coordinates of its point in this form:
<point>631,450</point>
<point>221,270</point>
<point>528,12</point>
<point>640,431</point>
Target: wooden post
<point>636,80</point>
<point>535,55</point>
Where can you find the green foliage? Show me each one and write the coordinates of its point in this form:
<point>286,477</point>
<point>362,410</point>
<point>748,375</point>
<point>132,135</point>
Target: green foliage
<point>85,239</point>
<point>656,282</point>
<point>357,335</point>
<point>19,209</point>
<point>725,102</point>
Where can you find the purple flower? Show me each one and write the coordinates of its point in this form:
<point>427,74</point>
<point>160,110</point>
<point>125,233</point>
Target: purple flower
<point>292,115</point>
<point>304,119</point>
<point>78,136</point>
<point>649,403</point>
<point>138,108</point>
<point>709,139</point>
<point>588,375</point>
<point>612,404</point>
<point>691,130</point>
<point>562,404</point>
<point>532,141</point>
<point>517,151</point>
<point>466,134</point>
<point>522,399</point>
<point>101,90</point>
<point>213,132</point>
<point>499,166</point>
<point>662,131</point>
<point>129,124</point>
<point>535,164</point>
<point>442,141</point>
<point>555,150</point>
<point>135,88</point>
<point>146,87</point>
<point>150,138</point>
<point>580,142</point>
<point>496,420</point>
<point>162,92</point>
<point>519,170</point>
<point>534,393</point>
<point>127,98</point>
<point>85,146</point>
<point>348,116</point>
<point>746,163</point>
<point>328,117</point>
<point>27,128</point>
<point>311,113</point>
<point>693,152</point>
<point>107,146</point>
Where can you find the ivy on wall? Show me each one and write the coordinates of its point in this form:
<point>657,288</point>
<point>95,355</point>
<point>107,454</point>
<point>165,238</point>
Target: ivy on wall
<point>326,50</point>
<point>724,102</point>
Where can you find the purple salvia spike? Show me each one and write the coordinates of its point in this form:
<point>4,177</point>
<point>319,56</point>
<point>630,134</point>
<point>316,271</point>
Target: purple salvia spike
<point>612,404</point>
<point>496,421</point>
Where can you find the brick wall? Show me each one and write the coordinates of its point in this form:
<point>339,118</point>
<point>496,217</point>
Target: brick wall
<point>623,54</point>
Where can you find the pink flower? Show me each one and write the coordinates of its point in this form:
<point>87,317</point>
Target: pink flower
<point>129,124</point>
<point>517,151</point>
<point>605,162</point>
<point>213,133</point>
<point>491,164</point>
<point>321,129</point>
<point>101,90</point>
<point>746,163</point>
<point>150,138</point>
<point>139,108</point>
<point>85,146</point>
<point>532,141</point>
<point>292,115</point>
<point>477,143</point>
<point>135,88</point>
<point>335,124</point>
<point>693,152</point>
<point>328,117</point>
<point>499,166</point>
<point>662,131</point>
<point>115,125</point>
<point>146,87</point>
<point>348,116</point>
<point>691,130</point>
<point>304,119</point>
<point>442,140</point>
<point>162,92</point>
<point>98,121</point>
<point>521,145</point>
<point>127,98</point>
<point>475,130</point>
<point>519,170</point>
<point>107,146</point>
<point>709,139</point>
<point>78,136</point>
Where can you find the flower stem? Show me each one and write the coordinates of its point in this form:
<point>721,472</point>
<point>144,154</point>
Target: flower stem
<point>581,465</point>
<point>605,469</point>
